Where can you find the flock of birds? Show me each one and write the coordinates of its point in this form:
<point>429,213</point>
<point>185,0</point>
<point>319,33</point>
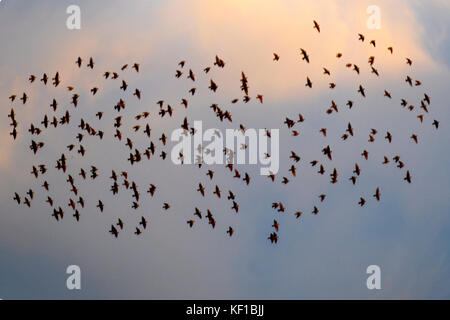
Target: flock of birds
<point>120,179</point>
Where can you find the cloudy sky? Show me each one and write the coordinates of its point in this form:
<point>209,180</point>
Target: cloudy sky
<point>317,256</point>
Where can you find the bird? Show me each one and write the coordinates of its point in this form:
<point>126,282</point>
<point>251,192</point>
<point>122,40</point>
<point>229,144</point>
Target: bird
<point>362,201</point>
<point>44,79</point>
<point>377,194</point>
<point>46,185</point>
<point>362,91</point>
<point>49,201</point>
<point>407,177</point>
<point>198,213</point>
<point>217,192</point>
<point>137,93</point>
<point>100,205</point>
<point>17,198</point>
<point>56,79</point>
<point>114,231</point>
<point>246,178</point>
<point>304,55</point>
<point>387,94</point>
<point>357,170</point>
<point>91,63</point>
<point>191,75</point>
<point>124,85</point>
<point>79,61</point>
<point>24,98</point>
<point>219,62</point>
<point>365,154</point>
<point>375,71</point>
<point>409,80</point>
<point>143,223</point>
<point>213,86</point>
<point>273,237</point>
<point>293,170</point>
<point>388,137</point>
<point>275,225</point>
<point>151,189</point>
<point>436,124</point>
<point>316,26</point>
<point>235,206</point>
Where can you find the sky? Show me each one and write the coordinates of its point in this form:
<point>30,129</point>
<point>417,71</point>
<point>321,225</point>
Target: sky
<point>322,256</point>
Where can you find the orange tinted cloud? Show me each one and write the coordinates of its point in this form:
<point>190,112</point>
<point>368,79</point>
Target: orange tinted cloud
<point>246,33</point>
